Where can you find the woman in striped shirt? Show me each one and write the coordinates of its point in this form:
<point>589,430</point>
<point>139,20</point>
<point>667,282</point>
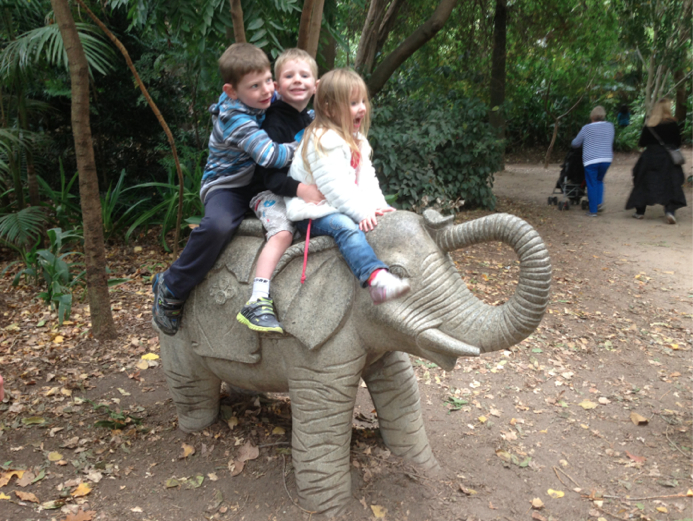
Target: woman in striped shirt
<point>596,140</point>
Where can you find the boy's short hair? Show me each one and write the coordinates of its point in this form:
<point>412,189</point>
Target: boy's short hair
<point>240,59</point>
<point>295,54</point>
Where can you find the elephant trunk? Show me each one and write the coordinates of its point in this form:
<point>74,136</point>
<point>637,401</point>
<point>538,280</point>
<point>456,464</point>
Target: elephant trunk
<point>497,327</point>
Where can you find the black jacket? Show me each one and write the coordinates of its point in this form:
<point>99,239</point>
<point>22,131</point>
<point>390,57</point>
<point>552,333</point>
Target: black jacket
<point>282,123</point>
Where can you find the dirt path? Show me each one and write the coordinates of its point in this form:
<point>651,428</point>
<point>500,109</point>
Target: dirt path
<point>588,419</point>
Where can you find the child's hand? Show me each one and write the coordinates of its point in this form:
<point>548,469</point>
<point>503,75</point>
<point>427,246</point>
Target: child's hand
<point>383,211</point>
<point>368,223</point>
<point>310,193</point>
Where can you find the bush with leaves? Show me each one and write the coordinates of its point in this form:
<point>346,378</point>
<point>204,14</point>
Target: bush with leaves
<point>440,152</point>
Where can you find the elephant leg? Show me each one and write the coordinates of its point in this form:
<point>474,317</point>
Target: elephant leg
<point>194,388</point>
<point>322,408</point>
<point>395,393</point>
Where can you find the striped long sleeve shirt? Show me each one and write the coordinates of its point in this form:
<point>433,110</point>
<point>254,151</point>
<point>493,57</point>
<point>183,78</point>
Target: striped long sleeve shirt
<point>596,140</point>
<point>237,144</point>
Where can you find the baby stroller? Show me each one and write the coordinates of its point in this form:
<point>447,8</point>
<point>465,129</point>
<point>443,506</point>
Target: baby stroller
<point>571,182</point>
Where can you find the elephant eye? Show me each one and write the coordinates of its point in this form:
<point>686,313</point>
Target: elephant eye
<point>399,271</point>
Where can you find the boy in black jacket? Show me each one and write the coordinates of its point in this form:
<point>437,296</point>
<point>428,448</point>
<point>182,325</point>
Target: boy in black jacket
<point>295,73</point>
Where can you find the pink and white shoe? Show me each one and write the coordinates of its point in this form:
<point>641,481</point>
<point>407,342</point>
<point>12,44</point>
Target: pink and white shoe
<point>385,286</point>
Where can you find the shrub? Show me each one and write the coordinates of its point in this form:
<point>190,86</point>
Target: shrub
<point>441,152</point>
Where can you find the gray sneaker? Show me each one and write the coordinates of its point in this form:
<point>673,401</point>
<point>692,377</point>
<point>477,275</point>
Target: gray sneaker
<point>670,218</point>
<point>166,309</point>
<point>385,286</point>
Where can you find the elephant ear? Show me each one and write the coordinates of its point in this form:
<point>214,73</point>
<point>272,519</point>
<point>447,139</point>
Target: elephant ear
<point>313,312</point>
<point>210,312</point>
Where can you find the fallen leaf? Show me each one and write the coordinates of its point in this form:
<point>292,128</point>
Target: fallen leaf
<point>637,459</point>
<point>123,392</point>
<point>536,515</point>
<point>587,404</point>
<point>663,510</point>
<point>637,419</point>
<point>555,493</point>
<point>171,483</point>
<point>247,452</point>
<point>4,496</point>
<point>54,456</point>
<point>378,511</point>
<point>81,515</point>
<point>236,467</point>
<point>26,496</point>
<point>7,476</point>
<point>278,430</point>
<point>187,450</point>
<point>26,480</point>
<point>53,504</point>
<point>195,482</point>
<point>482,419</point>
<point>82,490</point>
<point>142,365</point>
<point>34,420</point>
<point>467,491</point>
<point>150,356</point>
<point>136,509</point>
<point>232,422</point>
<point>537,503</point>
<point>212,476</point>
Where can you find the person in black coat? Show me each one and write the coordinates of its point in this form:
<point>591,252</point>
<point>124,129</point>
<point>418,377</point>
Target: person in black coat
<point>656,179</point>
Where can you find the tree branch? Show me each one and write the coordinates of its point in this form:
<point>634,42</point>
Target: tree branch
<point>409,46</point>
<point>237,17</point>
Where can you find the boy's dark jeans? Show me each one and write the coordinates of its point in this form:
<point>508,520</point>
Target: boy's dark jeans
<point>224,212</point>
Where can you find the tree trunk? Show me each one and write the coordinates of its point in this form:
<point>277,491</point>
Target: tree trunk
<point>497,117</point>
<point>681,108</point>
<point>304,26</point>
<point>237,17</point>
<point>365,54</point>
<point>94,251</point>
<point>314,29</point>
<point>410,45</point>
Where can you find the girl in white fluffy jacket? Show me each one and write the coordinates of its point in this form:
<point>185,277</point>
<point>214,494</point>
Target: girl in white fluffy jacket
<point>335,155</point>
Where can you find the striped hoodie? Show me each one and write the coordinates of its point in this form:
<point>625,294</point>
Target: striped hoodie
<point>596,140</point>
<point>237,144</point>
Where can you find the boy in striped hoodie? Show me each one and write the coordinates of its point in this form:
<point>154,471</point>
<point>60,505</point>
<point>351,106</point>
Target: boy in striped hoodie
<point>236,145</point>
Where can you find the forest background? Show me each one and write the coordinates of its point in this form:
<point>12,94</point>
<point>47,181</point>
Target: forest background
<point>455,86</point>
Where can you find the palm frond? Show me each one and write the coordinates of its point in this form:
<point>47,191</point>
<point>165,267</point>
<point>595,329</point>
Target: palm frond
<point>22,227</point>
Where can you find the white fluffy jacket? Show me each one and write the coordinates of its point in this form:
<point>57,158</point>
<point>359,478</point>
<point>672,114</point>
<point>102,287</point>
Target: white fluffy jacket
<point>353,192</point>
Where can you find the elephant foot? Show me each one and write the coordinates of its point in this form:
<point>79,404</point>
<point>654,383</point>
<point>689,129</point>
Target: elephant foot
<point>194,388</point>
<point>395,392</point>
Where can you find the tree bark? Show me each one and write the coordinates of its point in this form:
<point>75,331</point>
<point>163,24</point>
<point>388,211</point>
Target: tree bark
<point>410,45</point>
<point>365,54</point>
<point>237,17</point>
<point>497,94</point>
<point>304,26</point>
<point>681,108</point>
<point>94,250</point>
<point>314,28</point>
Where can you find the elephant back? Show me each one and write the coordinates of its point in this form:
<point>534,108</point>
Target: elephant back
<point>310,312</point>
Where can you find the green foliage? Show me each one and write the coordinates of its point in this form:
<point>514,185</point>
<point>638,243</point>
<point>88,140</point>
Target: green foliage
<point>63,203</point>
<point>165,196</point>
<point>112,204</point>
<point>20,229</point>
<point>627,138</point>
<point>58,272</point>
<point>440,152</point>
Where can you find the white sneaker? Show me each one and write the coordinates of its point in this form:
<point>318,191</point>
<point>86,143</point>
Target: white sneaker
<point>670,218</point>
<point>385,286</point>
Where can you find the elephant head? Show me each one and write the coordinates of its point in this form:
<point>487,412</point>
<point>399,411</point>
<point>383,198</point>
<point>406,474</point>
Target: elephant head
<point>441,319</point>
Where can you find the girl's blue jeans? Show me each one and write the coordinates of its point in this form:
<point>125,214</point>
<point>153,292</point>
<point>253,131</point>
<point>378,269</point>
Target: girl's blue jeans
<point>351,242</point>
<point>594,177</point>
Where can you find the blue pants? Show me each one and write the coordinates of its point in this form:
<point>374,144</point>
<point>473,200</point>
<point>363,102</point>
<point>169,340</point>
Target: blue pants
<point>594,177</point>
<point>224,212</point>
<point>351,242</point>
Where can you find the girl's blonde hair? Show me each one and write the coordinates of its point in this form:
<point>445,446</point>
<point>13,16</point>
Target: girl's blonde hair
<point>660,112</point>
<point>332,109</point>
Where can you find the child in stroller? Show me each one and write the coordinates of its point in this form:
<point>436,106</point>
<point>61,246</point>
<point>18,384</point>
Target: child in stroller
<point>571,182</point>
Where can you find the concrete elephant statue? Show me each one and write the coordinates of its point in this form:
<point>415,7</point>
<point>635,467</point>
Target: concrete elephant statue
<point>335,336</point>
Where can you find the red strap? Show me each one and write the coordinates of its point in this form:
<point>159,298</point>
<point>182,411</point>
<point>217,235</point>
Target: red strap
<point>305,253</point>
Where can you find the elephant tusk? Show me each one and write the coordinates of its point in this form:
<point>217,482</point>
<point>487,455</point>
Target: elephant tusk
<point>438,342</point>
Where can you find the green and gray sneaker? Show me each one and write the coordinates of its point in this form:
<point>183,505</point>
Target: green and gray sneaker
<point>166,309</point>
<point>260,316</point>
